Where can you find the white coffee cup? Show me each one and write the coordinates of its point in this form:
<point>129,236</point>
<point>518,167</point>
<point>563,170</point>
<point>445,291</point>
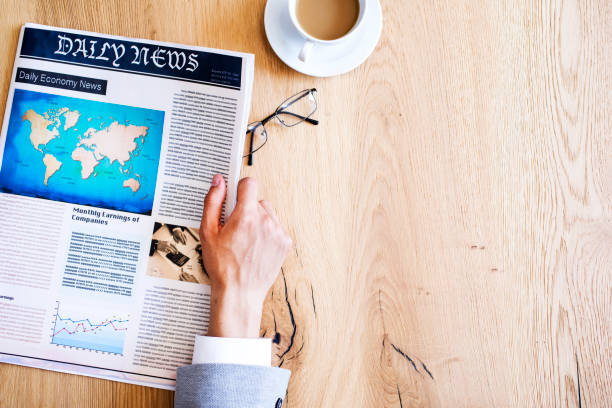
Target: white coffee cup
<point>310,41</point>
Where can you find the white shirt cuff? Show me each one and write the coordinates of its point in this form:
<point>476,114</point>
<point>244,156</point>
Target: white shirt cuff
<point>226,350</point>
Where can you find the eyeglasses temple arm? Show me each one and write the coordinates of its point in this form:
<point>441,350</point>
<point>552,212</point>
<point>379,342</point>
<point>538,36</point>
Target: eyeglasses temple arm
<point>309,120</point>
<point>250,160</point>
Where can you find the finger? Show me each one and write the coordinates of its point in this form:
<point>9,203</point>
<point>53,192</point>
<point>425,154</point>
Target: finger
<point>269,210</point>
<point>213,205</point>
<point>173,249</point>
<point>247,192</point>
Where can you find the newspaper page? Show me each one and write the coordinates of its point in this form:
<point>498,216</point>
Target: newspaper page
<point>108,147</point>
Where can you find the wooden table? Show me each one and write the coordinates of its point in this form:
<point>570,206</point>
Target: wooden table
<point>451,214</point>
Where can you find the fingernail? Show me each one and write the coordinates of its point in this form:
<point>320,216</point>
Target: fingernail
<point>216,180</point>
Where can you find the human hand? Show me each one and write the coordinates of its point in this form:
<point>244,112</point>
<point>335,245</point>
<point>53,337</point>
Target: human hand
<point>165,246</point>
<point>242,258</point>
<point>179,236</point>
<point>187,277</point>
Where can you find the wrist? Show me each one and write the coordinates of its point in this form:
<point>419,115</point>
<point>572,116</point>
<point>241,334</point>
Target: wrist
<point>234,313</point>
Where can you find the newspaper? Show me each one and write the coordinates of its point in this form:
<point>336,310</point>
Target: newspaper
<point>108,147</point>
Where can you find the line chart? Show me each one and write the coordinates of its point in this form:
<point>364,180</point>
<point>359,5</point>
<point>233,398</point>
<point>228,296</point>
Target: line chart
<point>80,329</point>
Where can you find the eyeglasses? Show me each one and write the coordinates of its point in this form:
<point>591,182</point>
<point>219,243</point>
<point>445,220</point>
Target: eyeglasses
<point>291,112</point>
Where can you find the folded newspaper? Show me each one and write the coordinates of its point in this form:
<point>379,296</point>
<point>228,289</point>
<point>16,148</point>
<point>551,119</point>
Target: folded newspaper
<point>108,147</point>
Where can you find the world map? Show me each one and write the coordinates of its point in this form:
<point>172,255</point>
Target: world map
<point>82,151</point>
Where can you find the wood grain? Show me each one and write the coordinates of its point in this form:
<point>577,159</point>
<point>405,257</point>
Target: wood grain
<point>451,214</point>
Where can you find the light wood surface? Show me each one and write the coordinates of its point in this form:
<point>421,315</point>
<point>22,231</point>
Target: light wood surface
<point>451,214</point>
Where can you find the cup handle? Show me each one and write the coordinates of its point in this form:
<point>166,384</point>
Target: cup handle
<point>306,51</point>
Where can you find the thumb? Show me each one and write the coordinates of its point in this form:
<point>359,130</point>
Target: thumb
<point>213,205</point>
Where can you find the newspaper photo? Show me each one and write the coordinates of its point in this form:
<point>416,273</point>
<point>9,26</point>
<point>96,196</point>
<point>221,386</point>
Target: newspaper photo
<point>107,150</point>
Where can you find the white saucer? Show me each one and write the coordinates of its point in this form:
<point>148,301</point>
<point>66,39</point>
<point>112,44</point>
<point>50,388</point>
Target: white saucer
<point>325,60</point>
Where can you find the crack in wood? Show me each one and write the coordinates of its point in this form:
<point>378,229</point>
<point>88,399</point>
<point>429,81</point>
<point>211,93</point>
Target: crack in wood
<point>382,318</point>
<point>292,338</point>
<point>400,352</point>
<point>406,357</point>
<point>399,396</point>
<point>397,349</point>
<point>297,353</point>
<point>578,378</point>
<point>314,307</point>
<point>297,255</point>
<point>426,370</point>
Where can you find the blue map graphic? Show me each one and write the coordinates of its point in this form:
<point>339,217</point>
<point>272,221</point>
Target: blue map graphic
<point>83,152</point>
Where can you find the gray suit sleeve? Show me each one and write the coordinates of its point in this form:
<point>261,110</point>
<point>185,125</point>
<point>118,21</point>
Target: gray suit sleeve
<point>230,386</point>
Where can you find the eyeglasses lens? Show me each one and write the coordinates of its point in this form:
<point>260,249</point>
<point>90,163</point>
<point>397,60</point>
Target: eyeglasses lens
<point>297,108</point>
<point>259,137</point>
